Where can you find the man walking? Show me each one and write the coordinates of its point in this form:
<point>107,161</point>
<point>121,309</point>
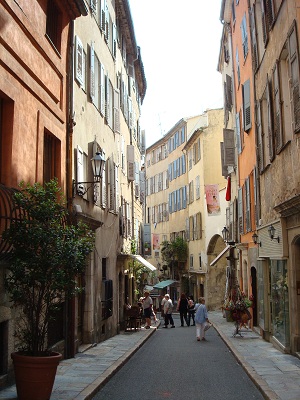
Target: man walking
<point>168,309</point>
<point>147,308</point>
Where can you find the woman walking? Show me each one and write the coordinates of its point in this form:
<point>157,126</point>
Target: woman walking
<point>183,309</point>
<point>201,319</point>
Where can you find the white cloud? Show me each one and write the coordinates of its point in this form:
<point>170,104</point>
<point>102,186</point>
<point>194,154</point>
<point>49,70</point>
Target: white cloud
<point>180,43</point>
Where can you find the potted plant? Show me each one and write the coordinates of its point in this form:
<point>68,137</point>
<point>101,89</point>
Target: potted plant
<point>46,255</point>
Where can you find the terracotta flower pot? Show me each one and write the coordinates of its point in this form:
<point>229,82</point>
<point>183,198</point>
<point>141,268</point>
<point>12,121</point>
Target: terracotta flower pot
<point>35,375</point>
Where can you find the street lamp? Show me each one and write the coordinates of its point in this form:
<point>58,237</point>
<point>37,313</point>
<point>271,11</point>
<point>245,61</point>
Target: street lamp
<point>225,235</point>
<point>255,239</point>
<point>271,231</point>
<point>98,163</point>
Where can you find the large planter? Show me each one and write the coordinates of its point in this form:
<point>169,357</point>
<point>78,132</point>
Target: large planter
<point>35,375</point>
<point>228,314</point>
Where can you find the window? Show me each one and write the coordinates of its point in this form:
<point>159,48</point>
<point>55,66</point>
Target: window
<point>52,157</point>
<point>239,135</point>
<point>228,93</point>
<point>294,77</point>
<point>6,134</point>
<point>248,204</point>
<point>244,36</point>
<point>238,72</point>
<point>246,105</point>
<point>191,192</point>
<point>191,262</point>
<point>240,211</point>
<point>197,184</point>
<point>253,39</point>
<point>54,24</point>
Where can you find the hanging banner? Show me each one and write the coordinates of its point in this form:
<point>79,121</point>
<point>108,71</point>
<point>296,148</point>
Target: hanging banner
<point>155,241</point>
<point>212,199</point>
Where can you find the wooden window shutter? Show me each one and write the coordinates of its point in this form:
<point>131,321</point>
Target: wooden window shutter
<point>260,146</point>
<point>228,92</point>
<point>238,72</point>
<point>92,73</point>
<point>248,204</point>
<point>238,132</point>
<point>102,90</point>
<point>130,163</point>
<point>224,167</point>
<point>174,201</point>
<point>244,36</point>
<point>294,76</point>
<point>240,211</point>
<point>103,188</point>
<point>229,147</point>
<point>187,229</point>
<point>264,22</point>
<point>102,16</point>
<point>93,4</point>
<point>116,115</point>
<point>199,225</point>
<point>80,171</point>
<point>116,191</point>
<point>277,111</point>
<point>270,13</point>
<point>270,121</point>
<point>191,225</point>
<point>170,203</point>
<point>79,60</point>
<point>253,39</point>
<point>247,105</point>
<point>114,41</point>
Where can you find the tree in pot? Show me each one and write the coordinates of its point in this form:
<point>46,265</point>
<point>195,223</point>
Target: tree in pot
<point>46,256</point>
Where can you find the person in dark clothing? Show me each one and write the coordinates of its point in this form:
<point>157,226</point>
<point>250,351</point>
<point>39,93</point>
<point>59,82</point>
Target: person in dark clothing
<point>191,310</point>
<point>183,309</point>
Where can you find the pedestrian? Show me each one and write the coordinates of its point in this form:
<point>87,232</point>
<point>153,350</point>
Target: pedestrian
<point>201,319</point>
<point>168,309</point>
<point>191,310</point>
<point>182,307</point>
<point>147,308</point>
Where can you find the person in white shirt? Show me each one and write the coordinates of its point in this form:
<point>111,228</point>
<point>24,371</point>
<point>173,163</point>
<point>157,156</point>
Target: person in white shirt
<point>168,309</point>
<point>147,308</point>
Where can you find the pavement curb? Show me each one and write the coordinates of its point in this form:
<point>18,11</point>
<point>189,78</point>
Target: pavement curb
<point>91,390</point>
<point>264,388</point>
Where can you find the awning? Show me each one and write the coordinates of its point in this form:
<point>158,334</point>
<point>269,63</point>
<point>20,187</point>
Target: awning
<point>143,261</point>
<point>163,284</point>
<point>220,255</point>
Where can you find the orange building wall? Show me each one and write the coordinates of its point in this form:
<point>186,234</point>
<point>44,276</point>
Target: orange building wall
<point>33,77</point>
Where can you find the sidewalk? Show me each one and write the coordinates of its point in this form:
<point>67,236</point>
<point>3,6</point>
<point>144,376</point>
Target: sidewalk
<point>79,378</point>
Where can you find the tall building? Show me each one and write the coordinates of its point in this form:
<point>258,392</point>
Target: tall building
<point>35,43</point>
<point>263,48</point>
<point>186,199</point>
<point>107,91</point>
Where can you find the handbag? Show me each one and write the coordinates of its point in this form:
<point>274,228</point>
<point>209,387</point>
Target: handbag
<point>207,326</point>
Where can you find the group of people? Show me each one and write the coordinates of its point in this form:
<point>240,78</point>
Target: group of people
<point>187,308</point>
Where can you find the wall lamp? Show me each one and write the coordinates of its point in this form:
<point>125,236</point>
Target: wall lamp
<point>225,235</point>
<point>254,238</point>
<point>271,231</point>
<point>98,162</point>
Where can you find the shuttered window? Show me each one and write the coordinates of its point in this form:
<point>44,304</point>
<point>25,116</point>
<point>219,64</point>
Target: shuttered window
<point>244,36</point>
<point>270,120</point>
<point>294,77</point>
<point>229,147</point>
<point>277,108</point>
<point>246,105</point>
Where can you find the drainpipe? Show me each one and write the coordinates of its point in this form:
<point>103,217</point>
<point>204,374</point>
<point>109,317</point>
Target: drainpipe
<point>69,322</point>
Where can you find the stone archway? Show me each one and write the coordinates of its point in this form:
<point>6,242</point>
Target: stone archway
<point>216,275</point>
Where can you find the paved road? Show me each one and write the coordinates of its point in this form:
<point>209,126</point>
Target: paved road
<point>173,365</point>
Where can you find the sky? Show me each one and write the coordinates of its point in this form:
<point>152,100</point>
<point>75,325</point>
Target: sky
<point>180,44</point>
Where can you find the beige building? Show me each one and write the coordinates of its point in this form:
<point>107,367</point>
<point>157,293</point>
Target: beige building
<point>186,198</point>
<point>108,89</point>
